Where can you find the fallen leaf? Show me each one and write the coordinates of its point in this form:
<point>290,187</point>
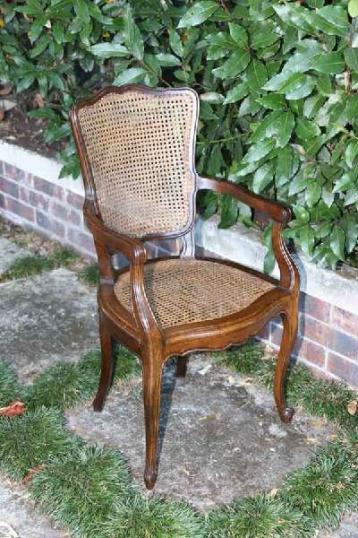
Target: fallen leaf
<point>38,101</point>
<point>352,407</point>
<point>31,473</point>
<point>12,410</point>
<point>5,90</point>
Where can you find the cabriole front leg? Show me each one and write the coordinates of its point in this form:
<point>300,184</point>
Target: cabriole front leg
<point>152,378</point>
<point>289,321</point>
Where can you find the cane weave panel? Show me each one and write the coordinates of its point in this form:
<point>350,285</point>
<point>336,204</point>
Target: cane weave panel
<point>185,291</point>
<point>139,147</point>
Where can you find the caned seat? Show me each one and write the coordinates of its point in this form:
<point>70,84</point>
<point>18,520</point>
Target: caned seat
<point>182,291</point>
<point>137,154</point>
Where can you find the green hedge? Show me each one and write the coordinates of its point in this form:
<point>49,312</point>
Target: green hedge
<point>278,84</point>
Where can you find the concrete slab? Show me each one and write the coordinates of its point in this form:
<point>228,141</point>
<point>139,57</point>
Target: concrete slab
<point>221,436</point>
<point>9,252</point>
<point>18,517</point>
<point>347,529</point>
<point>46,319</point>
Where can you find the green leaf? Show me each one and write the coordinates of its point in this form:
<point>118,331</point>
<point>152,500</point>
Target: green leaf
<point>306,129</point>
<point>338,241</point>
<point>228,211</point>
<point>353,8</point>
<point>272,100</point>
<point>220,45</point>
<point>58,32</point>
<point>212,97</point>
<point>351,153</point>
<point>234,65</point>
<point>198,13</point>
<point>256,75</point>
<point>109,50</point>
<point>300,88</point>
<point>351,197</point>
<point>81,10</point>
<point>330,63</point>
<point>133,38</point>
<point>286,166</point>
<point>41,45</point>
<point>258,151</point>
<point>167,59</point>
<point>344,183</point>
<point>134,74</point>
<point>236,93</point>
<point>278,125</point>
<point>337,18</point>
<point>176,44</point>
<point>351,57</point>
<point>238,34</point>
<point>351,229</point>
<point>263,177</point>
<point>313,193</point>
<point>307,240</point>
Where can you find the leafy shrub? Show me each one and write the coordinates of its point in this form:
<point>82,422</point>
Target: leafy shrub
<point>277,81</point>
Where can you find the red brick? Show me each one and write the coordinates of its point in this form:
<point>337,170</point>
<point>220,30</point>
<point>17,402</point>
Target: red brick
<point>51,225</point>
<point>12,172</point>
<point>316,308</point>
<point>310,351</point>
<point>24,211</point>
<point>343,368</point>
<point>345,320</point>
<point>24,194</point>
<point>9,187</point>
<point>75,200</point>
<point>314,329</point>
<point>38,200</point>
<point>304,349</point>
<point>47,188</point>
<point>66,214</point>
<point>343,343</point>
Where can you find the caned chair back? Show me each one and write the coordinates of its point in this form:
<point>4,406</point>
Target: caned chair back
<point>138,147</point>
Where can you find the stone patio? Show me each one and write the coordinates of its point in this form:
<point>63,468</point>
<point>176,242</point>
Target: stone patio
<point>46,319</point>
<point>220,435</point>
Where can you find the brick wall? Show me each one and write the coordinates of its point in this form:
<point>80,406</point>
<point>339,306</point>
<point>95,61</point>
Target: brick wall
<point>327,340</point>
<point>55,211</point>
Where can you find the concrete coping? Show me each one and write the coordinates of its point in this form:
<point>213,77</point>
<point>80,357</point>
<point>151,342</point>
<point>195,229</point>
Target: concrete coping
<point>244,245</point>
<point>39,165</point>
<point>238,243</point>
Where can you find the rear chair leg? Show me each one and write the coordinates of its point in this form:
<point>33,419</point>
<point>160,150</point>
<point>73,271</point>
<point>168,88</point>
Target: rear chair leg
<point>289,320</point>
<point>152,378</point>
<point>106,366</point>
<point>182,366</point>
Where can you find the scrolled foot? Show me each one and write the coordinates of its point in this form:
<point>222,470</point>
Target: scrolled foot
<point>150,478</point>
<point>98,404</point>
<point>286,414</point>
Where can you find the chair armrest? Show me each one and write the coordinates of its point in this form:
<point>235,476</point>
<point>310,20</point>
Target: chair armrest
<point>135,252</point>
<point>280,213</point>
<point>275,210</point>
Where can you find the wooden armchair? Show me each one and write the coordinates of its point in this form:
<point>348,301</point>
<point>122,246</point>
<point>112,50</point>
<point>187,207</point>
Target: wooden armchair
<point>136,146</point>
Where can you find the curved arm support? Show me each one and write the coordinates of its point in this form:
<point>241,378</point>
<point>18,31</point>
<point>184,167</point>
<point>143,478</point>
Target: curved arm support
<point>289,275</point>
<point>275,210</point>
<point>106,239</point>
<point>278,212</point>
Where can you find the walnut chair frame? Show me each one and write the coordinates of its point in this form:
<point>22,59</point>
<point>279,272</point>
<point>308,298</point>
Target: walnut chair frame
<point>138,327</point>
